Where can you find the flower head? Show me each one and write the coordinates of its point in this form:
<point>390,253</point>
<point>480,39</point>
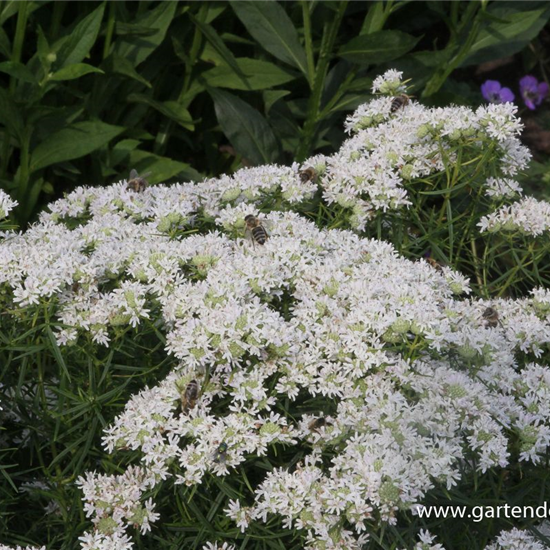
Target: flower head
<point>493,92</point>
<point>532,91</point>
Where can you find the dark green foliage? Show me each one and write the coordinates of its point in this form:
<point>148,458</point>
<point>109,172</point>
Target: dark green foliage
<point>90,90</point>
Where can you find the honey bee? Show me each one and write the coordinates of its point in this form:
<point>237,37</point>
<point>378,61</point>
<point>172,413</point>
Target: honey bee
<point>190,396</point>
<point>316,424</point>
<point>399,102</point>
<point>491,318</point>
<point>435,264</point>
<point>256,229</point>
<point>307,174</point>
<point>220,455</point>
<point>136,182</point>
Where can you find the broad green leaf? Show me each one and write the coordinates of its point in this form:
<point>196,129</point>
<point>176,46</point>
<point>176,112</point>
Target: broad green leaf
<point>71,72</point>
<point>120,65</point>
<point>161,168</point>
<point>378,47</point>
<point>272,96</point>
<point>515,27</point>
<point>272,28</point>
<point>259,75</point>
<point>123,149</point>
<point>73,142</point>
<point>17,70</point>
<point>170,109</point>
<point>221,49</point>
<point>82,38</point>
<point>246,129</point>
<point>138,48</point>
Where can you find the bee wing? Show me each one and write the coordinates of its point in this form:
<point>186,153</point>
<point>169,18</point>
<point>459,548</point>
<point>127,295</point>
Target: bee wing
<point>133,174</point>
<point>146,174</point>
<point>267,225</point>
<point>248,235</point>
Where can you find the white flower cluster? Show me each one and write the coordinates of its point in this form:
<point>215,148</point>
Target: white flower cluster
<point>411,384</point>
<point>516,540</point>
<point>528,216</point>
<point>507,540</point>
<point>312,312</point>
<point>6,204</point>
<point>391,148</point>
<point>500,188</point>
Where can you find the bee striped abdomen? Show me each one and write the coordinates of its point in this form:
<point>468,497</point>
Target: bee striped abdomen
<point>399,102</point>
<point>259,234</point>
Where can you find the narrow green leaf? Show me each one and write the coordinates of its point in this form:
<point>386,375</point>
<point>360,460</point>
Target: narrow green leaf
<point>513,29</point>
<point>378,47</point>
<point>57,353</point>
<point>259,75</point>
<point>73,142</point>
<point>81,39</point>
<point>170,109</point>
<point>17,70</point>
<point>71,72</point>
<point>272,28</point>
<point>374,21</point>
<point>246,129</point>
<point>123,28</point>
<point>138,48</point>
<point>120,65</point>
<point>217,43</point>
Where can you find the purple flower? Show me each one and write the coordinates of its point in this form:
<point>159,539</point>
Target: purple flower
<point>532,91</point>
<point>493,92</point>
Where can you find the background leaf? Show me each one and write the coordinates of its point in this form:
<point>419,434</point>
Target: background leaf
<point>378,47</point>
<point>18,70</point>
<point>138,48</point>
<point>259,75</point>
<point>269,24</point>
<point>73,142</point>
<point>81,39</point>
<point>246,129</point>
<point>515,27</point>
<point>77,70</point>
<point>161,168</point>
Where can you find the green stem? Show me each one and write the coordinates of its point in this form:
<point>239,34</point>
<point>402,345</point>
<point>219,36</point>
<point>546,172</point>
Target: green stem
<point>110,30</point>
<point>462,49</point>
<point>329,37</point>
<point>308,43</point>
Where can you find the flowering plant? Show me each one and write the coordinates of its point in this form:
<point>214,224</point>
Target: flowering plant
<point>319,386</point>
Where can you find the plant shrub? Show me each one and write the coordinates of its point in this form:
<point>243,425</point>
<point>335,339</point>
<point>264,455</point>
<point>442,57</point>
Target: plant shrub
<point>340,383</point>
